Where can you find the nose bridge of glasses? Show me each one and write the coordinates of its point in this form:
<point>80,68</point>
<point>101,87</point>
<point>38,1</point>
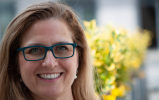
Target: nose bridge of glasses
<point>49,59</point>
<point>49,49</point>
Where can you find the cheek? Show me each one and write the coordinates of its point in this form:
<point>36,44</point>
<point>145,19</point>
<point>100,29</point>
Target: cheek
<point>22,66</point>
<point>74,61</point>
<point>25,67</point>
<point>71,64</point>
<point>77,59</point>
<point>21,62</point>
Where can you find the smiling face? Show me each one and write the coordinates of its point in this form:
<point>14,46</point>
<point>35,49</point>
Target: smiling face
<point>50,78</point>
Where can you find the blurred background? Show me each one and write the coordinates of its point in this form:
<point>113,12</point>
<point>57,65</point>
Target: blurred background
<point>130,14</point>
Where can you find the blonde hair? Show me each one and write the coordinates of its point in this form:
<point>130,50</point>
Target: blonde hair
<point>11,86</point>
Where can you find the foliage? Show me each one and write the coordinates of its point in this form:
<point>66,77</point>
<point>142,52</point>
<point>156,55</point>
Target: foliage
<point>116,55</point>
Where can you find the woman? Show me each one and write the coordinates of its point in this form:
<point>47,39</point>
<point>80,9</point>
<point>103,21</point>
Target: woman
<point>44,56</point>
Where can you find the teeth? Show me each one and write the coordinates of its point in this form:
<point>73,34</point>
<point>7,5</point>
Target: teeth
<point>49,76</point>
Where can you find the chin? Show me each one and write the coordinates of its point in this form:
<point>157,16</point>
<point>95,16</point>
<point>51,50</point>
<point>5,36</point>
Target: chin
<point>49,93</point>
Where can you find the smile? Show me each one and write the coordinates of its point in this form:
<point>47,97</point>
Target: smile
<point>49,76</point>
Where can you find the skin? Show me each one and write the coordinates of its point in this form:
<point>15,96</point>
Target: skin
<point>48,32</point>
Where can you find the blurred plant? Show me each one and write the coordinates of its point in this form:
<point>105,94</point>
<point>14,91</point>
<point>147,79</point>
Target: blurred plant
<point>116,55</point>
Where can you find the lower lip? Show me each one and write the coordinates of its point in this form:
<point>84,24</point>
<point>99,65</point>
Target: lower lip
<point>50,80</point>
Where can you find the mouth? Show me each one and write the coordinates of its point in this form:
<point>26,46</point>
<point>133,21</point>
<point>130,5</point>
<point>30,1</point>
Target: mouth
<point>49,76</point>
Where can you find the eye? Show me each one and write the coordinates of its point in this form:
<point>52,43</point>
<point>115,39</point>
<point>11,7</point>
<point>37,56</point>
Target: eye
<point>35,50</point>
<point>61,48</point>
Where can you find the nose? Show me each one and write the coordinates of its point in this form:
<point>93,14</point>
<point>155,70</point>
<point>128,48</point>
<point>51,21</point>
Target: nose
<point>50,60</point>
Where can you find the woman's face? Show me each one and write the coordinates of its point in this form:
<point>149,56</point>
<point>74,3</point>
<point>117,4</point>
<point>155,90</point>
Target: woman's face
<point>50,77</point>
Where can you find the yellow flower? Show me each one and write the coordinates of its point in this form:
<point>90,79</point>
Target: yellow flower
<point>115,92</point>
<point>97,63</point>
<point>109,97</point>
<point>119,91</point>
<point>111,67</point>
<point>122,90</point>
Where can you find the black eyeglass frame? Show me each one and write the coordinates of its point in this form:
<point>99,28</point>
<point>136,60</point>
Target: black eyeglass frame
<point>47,48</point>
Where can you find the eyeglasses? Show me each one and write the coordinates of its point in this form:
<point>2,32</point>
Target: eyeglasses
<point>36,53</point>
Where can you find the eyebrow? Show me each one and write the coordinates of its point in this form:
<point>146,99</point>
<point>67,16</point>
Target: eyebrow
<point>42,44</point>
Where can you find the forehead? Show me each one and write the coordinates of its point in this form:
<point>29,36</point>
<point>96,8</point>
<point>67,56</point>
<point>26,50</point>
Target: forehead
<point>49,30</point>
